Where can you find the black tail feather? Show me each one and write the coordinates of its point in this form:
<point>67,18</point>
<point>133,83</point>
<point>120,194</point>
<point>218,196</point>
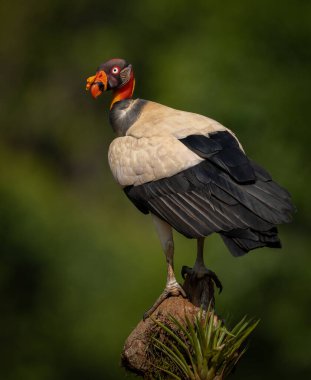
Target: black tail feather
<point>239,242</point>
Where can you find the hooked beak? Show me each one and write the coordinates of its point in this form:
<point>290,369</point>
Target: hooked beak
<point>97,84</point>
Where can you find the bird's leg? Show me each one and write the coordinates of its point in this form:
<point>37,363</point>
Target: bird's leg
<point>199,269</point>
<point>172,288</point>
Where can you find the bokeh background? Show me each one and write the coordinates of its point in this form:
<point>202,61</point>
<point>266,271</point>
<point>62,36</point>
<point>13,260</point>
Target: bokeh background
<point>78,263</point>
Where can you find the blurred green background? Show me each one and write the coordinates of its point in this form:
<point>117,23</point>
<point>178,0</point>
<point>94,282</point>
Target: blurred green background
<point>78,263</point>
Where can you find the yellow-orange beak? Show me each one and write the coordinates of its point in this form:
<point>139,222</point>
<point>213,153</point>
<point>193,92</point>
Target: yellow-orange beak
<point>97,84</point>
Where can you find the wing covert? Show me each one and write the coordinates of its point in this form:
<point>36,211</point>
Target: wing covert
<point>222,149</point>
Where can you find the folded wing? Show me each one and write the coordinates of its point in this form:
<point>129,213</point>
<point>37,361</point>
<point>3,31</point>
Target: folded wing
<point>225,193</point>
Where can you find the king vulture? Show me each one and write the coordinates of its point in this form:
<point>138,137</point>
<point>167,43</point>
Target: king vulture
<point>190,173</point>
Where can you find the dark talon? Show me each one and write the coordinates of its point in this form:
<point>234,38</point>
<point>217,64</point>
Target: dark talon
<point>187,271</point>
<point>216,280</point>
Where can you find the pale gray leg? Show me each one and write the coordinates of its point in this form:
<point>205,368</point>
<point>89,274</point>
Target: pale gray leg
<point>172,288</point>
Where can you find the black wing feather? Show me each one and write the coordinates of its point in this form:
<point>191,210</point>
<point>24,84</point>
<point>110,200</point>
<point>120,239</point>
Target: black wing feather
<point>226,193</point>
<point>222,149</point>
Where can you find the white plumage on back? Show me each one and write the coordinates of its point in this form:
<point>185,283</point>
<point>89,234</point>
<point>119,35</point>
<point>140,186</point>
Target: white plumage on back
<point>151,149</point>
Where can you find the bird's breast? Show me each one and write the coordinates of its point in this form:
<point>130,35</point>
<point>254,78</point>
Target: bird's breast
<point>135,161</point>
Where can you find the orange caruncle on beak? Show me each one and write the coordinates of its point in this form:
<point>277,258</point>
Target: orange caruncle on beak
<point>97,84</point>
<point>89,82</point>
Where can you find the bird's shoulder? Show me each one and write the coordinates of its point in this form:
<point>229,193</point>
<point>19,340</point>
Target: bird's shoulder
<point>158,120</point>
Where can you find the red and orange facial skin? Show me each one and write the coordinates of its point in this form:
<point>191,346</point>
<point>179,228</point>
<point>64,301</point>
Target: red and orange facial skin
<point>115,75</point>
<point>97,84</point>
<point>124,92</point>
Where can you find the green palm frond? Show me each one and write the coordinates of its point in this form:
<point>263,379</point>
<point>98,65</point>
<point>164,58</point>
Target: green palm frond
<point>202,349</point>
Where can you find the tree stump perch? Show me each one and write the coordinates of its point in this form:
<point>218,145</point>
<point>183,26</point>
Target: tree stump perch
<point>200,293</point>
<point>181,341</point>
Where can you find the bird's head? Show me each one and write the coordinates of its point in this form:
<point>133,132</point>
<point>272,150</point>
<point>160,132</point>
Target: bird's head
<point>115,74</point>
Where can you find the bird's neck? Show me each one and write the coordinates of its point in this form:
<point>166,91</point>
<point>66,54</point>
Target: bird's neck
<point>124,114</point>
<point>124,92</point>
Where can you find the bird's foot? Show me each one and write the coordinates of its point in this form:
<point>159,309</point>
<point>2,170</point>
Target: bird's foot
<point>171,289</point>
<point>198,273</point>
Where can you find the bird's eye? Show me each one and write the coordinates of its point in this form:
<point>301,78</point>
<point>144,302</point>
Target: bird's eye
<point>115,70</point>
